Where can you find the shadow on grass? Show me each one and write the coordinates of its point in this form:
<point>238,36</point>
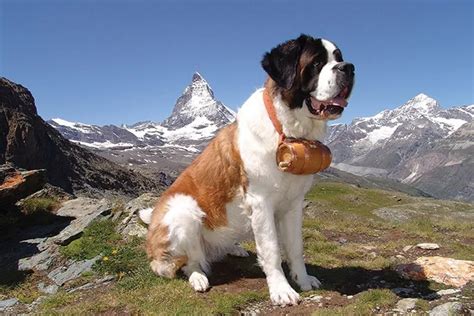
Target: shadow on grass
<point>16,241</point>
<point>345,280</point>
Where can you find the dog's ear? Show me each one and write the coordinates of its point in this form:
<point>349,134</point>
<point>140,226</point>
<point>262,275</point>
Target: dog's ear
<point>282,61</point>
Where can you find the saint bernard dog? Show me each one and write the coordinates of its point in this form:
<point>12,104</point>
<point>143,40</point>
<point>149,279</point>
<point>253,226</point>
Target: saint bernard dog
<point>234,189</point>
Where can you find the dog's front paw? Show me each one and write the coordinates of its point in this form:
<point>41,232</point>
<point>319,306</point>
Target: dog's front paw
<point>199,281</point>
<point>283,295</point>
<point>308,283</point>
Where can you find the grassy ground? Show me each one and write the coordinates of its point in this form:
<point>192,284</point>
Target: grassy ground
<point>347,247</point>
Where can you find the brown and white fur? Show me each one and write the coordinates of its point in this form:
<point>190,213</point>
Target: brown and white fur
<point>234,190</point>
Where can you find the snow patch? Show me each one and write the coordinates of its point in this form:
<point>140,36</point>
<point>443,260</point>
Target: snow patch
<point>84,128</point>
<point>102,145</point>
<point>453,124</point>
<point>381,133</point>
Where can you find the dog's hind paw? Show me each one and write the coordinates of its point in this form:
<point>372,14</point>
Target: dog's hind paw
<point>309,283</point>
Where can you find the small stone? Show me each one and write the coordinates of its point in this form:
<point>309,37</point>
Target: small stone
<point>406,304</point>
<point>50,289</point>
<point>399,257</point>
<point>452,308</point>
<point>342,240</point>
<point>315,298</point>
<point>7,303</point>
<point>82,287</point>
<point>406,248</point>
<point>448,292</point>
<point>428,246</point>
<point>105,279</point>
<point>350,296</point>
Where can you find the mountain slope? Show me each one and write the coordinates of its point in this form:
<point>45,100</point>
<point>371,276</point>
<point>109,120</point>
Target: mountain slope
<point>29,142</point>
<point>389,144</point>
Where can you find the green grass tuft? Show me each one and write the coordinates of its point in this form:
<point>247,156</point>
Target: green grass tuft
<point>365,303</point>
<point>99,237</point>
<point>35,205</point>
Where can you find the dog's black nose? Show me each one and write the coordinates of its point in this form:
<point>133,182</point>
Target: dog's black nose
<point>346,68</point>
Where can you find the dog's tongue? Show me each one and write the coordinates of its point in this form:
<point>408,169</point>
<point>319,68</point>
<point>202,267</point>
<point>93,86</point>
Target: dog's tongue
<point>321,105</point>
<point>338,101</point>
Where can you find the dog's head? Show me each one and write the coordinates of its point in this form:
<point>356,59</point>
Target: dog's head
<point>311,75</point>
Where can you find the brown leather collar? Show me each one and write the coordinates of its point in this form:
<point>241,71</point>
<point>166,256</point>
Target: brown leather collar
<point>267,99</point>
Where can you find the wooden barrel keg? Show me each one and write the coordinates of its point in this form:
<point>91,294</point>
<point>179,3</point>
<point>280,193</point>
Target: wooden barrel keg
<point>301,156</point>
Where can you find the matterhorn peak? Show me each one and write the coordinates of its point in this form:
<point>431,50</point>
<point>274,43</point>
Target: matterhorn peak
<point>197,77</point>
<point>198,103</point>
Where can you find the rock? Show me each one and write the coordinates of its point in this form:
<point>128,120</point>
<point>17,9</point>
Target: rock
<point>94,284</point>
<point>428,246</point>
<point>86,210</point>
<point>17,184</point>
<point>41,261</point>
<point>439,269</point>
<point>448,292</point>
<point>62,274</point>
<point>48,289</point>
<point>131,225</point>
<point>83,206</point>
<point>134,228</point>
<point>406,304</point>
<point>33,306</point>
<point>7,303</point>
<point>447,309</point>
<point>406,248</point>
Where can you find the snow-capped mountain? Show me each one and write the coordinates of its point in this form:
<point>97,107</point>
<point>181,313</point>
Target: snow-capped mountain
<point>197,107</point>
<point>388,143</point>
<point>195,119</point>
<point>107,136</point>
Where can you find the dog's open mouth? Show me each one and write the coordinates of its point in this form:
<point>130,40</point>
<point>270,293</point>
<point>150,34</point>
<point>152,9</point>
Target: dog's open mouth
<point>334,106</point>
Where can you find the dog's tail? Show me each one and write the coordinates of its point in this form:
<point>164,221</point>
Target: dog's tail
<point>145,215</point>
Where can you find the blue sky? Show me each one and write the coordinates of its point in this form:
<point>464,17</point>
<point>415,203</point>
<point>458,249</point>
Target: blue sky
<point>117,62</point>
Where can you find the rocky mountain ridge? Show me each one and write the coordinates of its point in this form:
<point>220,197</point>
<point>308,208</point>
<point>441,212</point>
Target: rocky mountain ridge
<point>406,144</point>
